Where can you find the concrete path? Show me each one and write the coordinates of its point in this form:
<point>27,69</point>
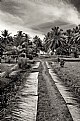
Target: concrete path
<point>23,106</point>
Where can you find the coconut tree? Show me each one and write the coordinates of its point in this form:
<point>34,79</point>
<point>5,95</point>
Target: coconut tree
<point>18,38</point>
<point>27,38</point>
<point>69,40</point>
<point>76,42</point>
<point>37,41</point>
<point>26,43</point>
<point>54,39</point>
<point>5,37</point>
<point>73,40</point>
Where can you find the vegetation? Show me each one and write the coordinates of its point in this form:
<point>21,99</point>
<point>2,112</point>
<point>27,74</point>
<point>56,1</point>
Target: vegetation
<point>21,48</point>
<point>51,106</point>
<point>70,76</point>
<point>12,46</point>
<point>63,43</point>
<point>38,43</point>
<point>57,41</point>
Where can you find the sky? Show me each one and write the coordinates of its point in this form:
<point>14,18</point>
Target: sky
<point>38,16</point>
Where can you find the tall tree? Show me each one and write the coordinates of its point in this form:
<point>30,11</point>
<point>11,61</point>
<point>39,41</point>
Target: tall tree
<point>18,38</point>
<point>37,41</point>
<point>53,39</point>
<point>5,37</point>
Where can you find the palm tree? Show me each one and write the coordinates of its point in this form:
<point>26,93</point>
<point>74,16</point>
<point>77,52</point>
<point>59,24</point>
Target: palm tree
<point>26,43</point>
<point>37,41</point>
<point>5,37</point>
<point>54,39</point>
<point>18,38</point>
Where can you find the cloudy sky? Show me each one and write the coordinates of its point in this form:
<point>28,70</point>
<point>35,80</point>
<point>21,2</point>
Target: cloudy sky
<point>38,16</point>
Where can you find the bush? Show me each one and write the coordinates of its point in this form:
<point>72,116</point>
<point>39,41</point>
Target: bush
<point>30,56</point>
<point>62,63</point>
<point>76,55</point>
<point>27,66</point>
<point>22,62</point>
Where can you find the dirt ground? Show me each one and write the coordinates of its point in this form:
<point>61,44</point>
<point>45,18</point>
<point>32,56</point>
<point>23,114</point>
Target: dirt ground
<point>51,105</point>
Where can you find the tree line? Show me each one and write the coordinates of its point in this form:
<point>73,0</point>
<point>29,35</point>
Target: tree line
<point>63,42</point>
<point>19,43</point>
<point>58,41</point>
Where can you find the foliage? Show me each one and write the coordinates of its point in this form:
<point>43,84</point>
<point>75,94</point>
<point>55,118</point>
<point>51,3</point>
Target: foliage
<point>61,41</point>
<point>38,43</point>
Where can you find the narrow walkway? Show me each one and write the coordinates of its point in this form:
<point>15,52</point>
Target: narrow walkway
<point>58,105</point>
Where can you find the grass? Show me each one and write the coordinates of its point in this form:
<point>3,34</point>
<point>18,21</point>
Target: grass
<point>70,75</point>
<point>5,66</point>
<point>11,91</point>
<point>50,108</point>
<point>44,108</point>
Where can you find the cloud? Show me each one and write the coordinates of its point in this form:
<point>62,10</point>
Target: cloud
<point>60,10</point>
<point>36,16</point>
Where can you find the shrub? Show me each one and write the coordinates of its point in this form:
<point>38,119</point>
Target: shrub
<point>30,56</point>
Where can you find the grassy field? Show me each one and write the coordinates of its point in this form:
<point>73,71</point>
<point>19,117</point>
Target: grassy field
<point>5,66</point>
<point>69,74</point>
